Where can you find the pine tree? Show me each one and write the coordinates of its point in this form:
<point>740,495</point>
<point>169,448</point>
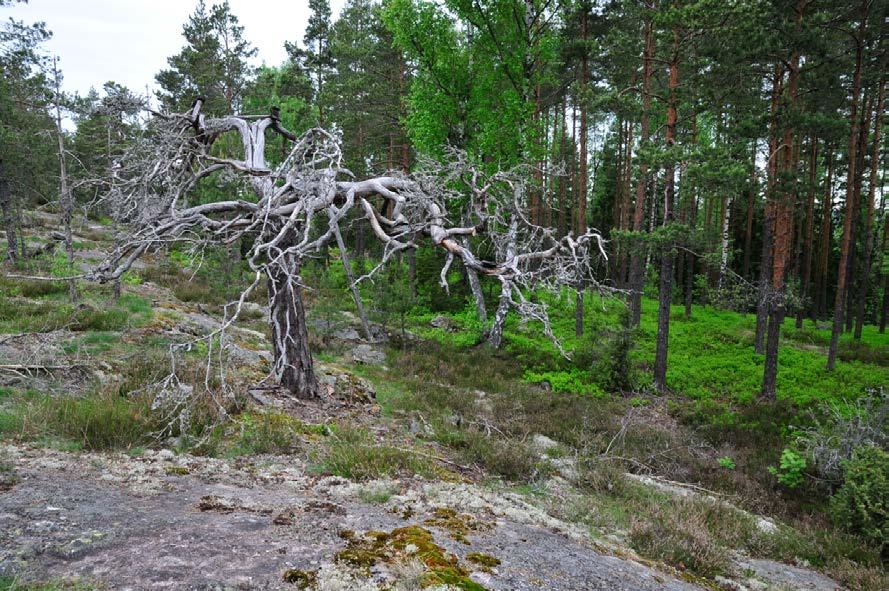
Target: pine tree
<point>214,64</point>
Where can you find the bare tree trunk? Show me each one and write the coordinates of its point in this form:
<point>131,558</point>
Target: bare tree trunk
<point>850,196</point>
<point>782,238</point>
<point>495,333</point>
<point>356,295</point>
<point>66,199</point>
<point>807,241</point>
<point>869,218</point>
<point>762,308</point>
<point>637,258</point>
<point>563,178</point>
<point>724,241</point>
<point>824,248</point>
<point>8,213</point>
<point>582,172</point>
<point>748,231</point>
<point>765,265</point>
<point>290,336</point>
<point>853,279</point>
<point>665,288</point>
<point>475,287</point>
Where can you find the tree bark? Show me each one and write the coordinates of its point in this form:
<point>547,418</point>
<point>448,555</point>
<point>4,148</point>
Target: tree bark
<point>8,213</point>
<point>850,195</point>
<point>869,216</point>
<point>748,231</point>
<point>765,265</point>
<point>853,278</point>
<point>66,198</point>
<point>820,309</point>
<point>783,228</point>
<point>637,258</point>
<point>807,241</point>
<point>665,288</point>
<point>356,295</point>
<point>475,287</point>
<point>290,335</point>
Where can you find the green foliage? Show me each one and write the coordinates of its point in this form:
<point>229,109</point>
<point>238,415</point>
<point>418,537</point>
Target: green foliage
<point>573,381</point>
<point>790,468</point>
<point>394,295</point>
<point>862,504</point>
<point>726,462</point>
<point>214,63</point>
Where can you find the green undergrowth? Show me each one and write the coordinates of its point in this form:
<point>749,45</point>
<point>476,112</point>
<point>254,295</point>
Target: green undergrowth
<point>487,419</point>
<point>95,422</point>
<point>43,306</point>
<point>701,535</point>
<point>710,356</point>
<point>354,452</point>
<point>255,432</point>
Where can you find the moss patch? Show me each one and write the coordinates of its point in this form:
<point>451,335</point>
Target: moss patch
<point>486,561</point>
<point>303,579</point>
<point>458,525</point>
<point>407,543</point>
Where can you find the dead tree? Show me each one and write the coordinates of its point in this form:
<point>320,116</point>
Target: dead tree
<point>297,207</point>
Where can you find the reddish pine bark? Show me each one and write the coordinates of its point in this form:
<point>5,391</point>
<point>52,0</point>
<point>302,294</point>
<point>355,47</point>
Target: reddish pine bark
<point>869,216</point>
<point>637,258</point>
<point>846,240</point>
<point>665,287</point>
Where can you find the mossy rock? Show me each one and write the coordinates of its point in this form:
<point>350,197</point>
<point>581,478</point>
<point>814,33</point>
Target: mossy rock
<point>486,561</point>
<point>302,579</point>
<point>413,542</point>
<point>458,525</point>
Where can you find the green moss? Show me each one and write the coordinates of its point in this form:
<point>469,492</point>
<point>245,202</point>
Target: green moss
<point>406,543</point>
<point>458,525</point>
<point>483,559</point>
<point>301,578</point>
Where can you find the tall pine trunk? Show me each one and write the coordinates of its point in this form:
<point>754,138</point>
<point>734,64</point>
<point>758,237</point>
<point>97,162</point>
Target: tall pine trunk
<point>820,310</point>
<point>807,241</point>
<point>7,211</point>
<point>665,287</point>
<point>852,276</point>
<point>782,239</point>
<point>637,257</point>
<point>765,265</point>
<point>582,184</point>
<point>869,216</point>
<point>850,196</point>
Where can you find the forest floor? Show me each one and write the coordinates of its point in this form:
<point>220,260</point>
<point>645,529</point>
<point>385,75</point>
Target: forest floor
<point>430,462</point>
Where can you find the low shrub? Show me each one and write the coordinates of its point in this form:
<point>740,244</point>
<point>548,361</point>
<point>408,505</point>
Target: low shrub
<point>861,505</point>
<point>790,468</point>
<point>691,534</point>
